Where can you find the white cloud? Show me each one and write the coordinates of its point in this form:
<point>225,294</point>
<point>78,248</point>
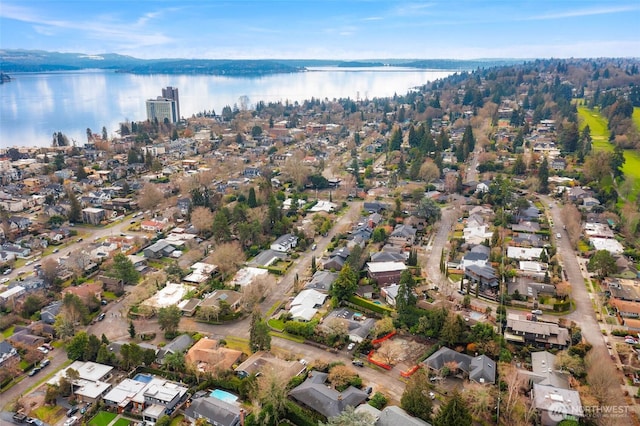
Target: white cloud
<point>582,12</point>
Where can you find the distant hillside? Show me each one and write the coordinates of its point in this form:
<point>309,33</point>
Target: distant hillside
<point>358,64</point>
<point>211,67</point>
<point>41,61</point>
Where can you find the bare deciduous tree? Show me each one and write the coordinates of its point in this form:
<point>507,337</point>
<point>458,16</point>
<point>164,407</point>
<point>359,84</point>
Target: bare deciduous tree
<point>341,375</point>
<point>202,219</point>
<point>601,376</point>
<point>228,257</point>
<point>150,197</point>
<point>253,293</point>
<point>389,352</point>
<point>573,222</point>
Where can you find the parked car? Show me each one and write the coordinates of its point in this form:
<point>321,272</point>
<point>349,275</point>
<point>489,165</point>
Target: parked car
<point>43,350</point>
<point>47,347</point>
<point>7,271</point>
<point>71,421</point>
<point>631,341</point>
<point>34,372</point>
<point>351,346</point>
<point>101,316</point>
<point>357,363</point>
<point>368,390</point>
<point>4,280</point>
<point>45,362</point>
<point>71,411</point>
<point>536,312</point>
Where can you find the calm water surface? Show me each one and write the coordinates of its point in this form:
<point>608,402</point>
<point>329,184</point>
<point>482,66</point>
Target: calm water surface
<point>35,105</point>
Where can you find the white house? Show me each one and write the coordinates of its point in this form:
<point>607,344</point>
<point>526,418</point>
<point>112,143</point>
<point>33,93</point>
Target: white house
<point>524,253</point>
<point>285,243</point>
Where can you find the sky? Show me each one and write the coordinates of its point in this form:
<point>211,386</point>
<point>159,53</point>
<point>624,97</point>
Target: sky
<point>326,29</point>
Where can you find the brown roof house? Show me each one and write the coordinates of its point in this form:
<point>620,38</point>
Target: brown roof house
<point>85,291</point>
<point>208,356</point>
<point>263,361</point>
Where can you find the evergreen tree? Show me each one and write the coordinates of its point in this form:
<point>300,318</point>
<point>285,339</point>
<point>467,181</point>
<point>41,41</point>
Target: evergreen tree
<point>395,142</point>
<point>543,176</point>
<point>75,212</point>
<point>132,330</point>
<point>453,413</point>
<point>345,284</point>
<point>251,199</point>
<point>124,269</point>
<point>414,400</point>
<point>259,337</point>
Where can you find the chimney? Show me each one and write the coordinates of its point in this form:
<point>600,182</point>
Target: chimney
<point>242,417</point>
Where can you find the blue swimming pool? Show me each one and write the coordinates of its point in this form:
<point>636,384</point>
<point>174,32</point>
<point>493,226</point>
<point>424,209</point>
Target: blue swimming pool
<point>144,378</point>
<point>224,396</point>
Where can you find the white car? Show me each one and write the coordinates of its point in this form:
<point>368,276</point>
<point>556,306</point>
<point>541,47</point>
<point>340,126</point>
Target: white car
<point>71,421</point>
<point>4,280</point>
<point>43,349</point>
<point>351,346</point>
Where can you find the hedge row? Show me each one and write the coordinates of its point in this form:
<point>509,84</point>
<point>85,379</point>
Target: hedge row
<point>364,303</point>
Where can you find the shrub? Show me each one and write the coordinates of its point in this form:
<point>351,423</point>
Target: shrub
<point>378,401</point>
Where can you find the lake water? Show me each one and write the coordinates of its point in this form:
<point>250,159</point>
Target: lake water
<point>34,105</point>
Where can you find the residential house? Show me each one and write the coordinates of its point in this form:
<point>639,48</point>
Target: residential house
<point>153,225</point>
<point>48,313</point>
<point>179,344</point>
<point>285,243</point>
<point>261,362</point>
<point>158,250</point>
<point>214,411</point>
<point>359,326</point>
<point>480,369</point>
<point>554,405</point>
<point>316,395</point>
<point>558,163</point>
<point>231,297</point>
<point>524,253</point>
<point>305,305</point>
<point>483,187</point>
<point>474,258</point>
<point>337,259</point>
<point>390,293</point>
<point>403,236</point>
<point>521,330</point>
<point>92,382</point>
<point>392,415</point>
<point>206,355</point>
<point>625,309</point>
<point>321,281</point>
<point>161,397</point>
<point>388,256</point>
<point>183,205</point>
<point>93,216</point>
<point>267,258</point>
<point>544,371</point>
<point>12,294</point>
<point>85,291</point>
<point>590,202</point>
<point>374,206</point>
<point>484,277</point>
<point>385,273</point>
<point>8,354</point>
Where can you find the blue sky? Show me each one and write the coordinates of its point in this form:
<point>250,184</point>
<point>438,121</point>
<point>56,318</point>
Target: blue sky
<point>331,29</point>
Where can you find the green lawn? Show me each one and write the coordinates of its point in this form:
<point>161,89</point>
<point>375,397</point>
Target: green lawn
<point>49,414</point>
<point>122,422</point>
<point>8,332</point>
<point>102,419</point>
<point>636,116</point>
<point>600,135</point>
<point>598,126</point>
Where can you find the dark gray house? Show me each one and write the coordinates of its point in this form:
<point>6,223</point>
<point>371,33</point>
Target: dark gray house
<point>315,394</point>
<point>214,411</point>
